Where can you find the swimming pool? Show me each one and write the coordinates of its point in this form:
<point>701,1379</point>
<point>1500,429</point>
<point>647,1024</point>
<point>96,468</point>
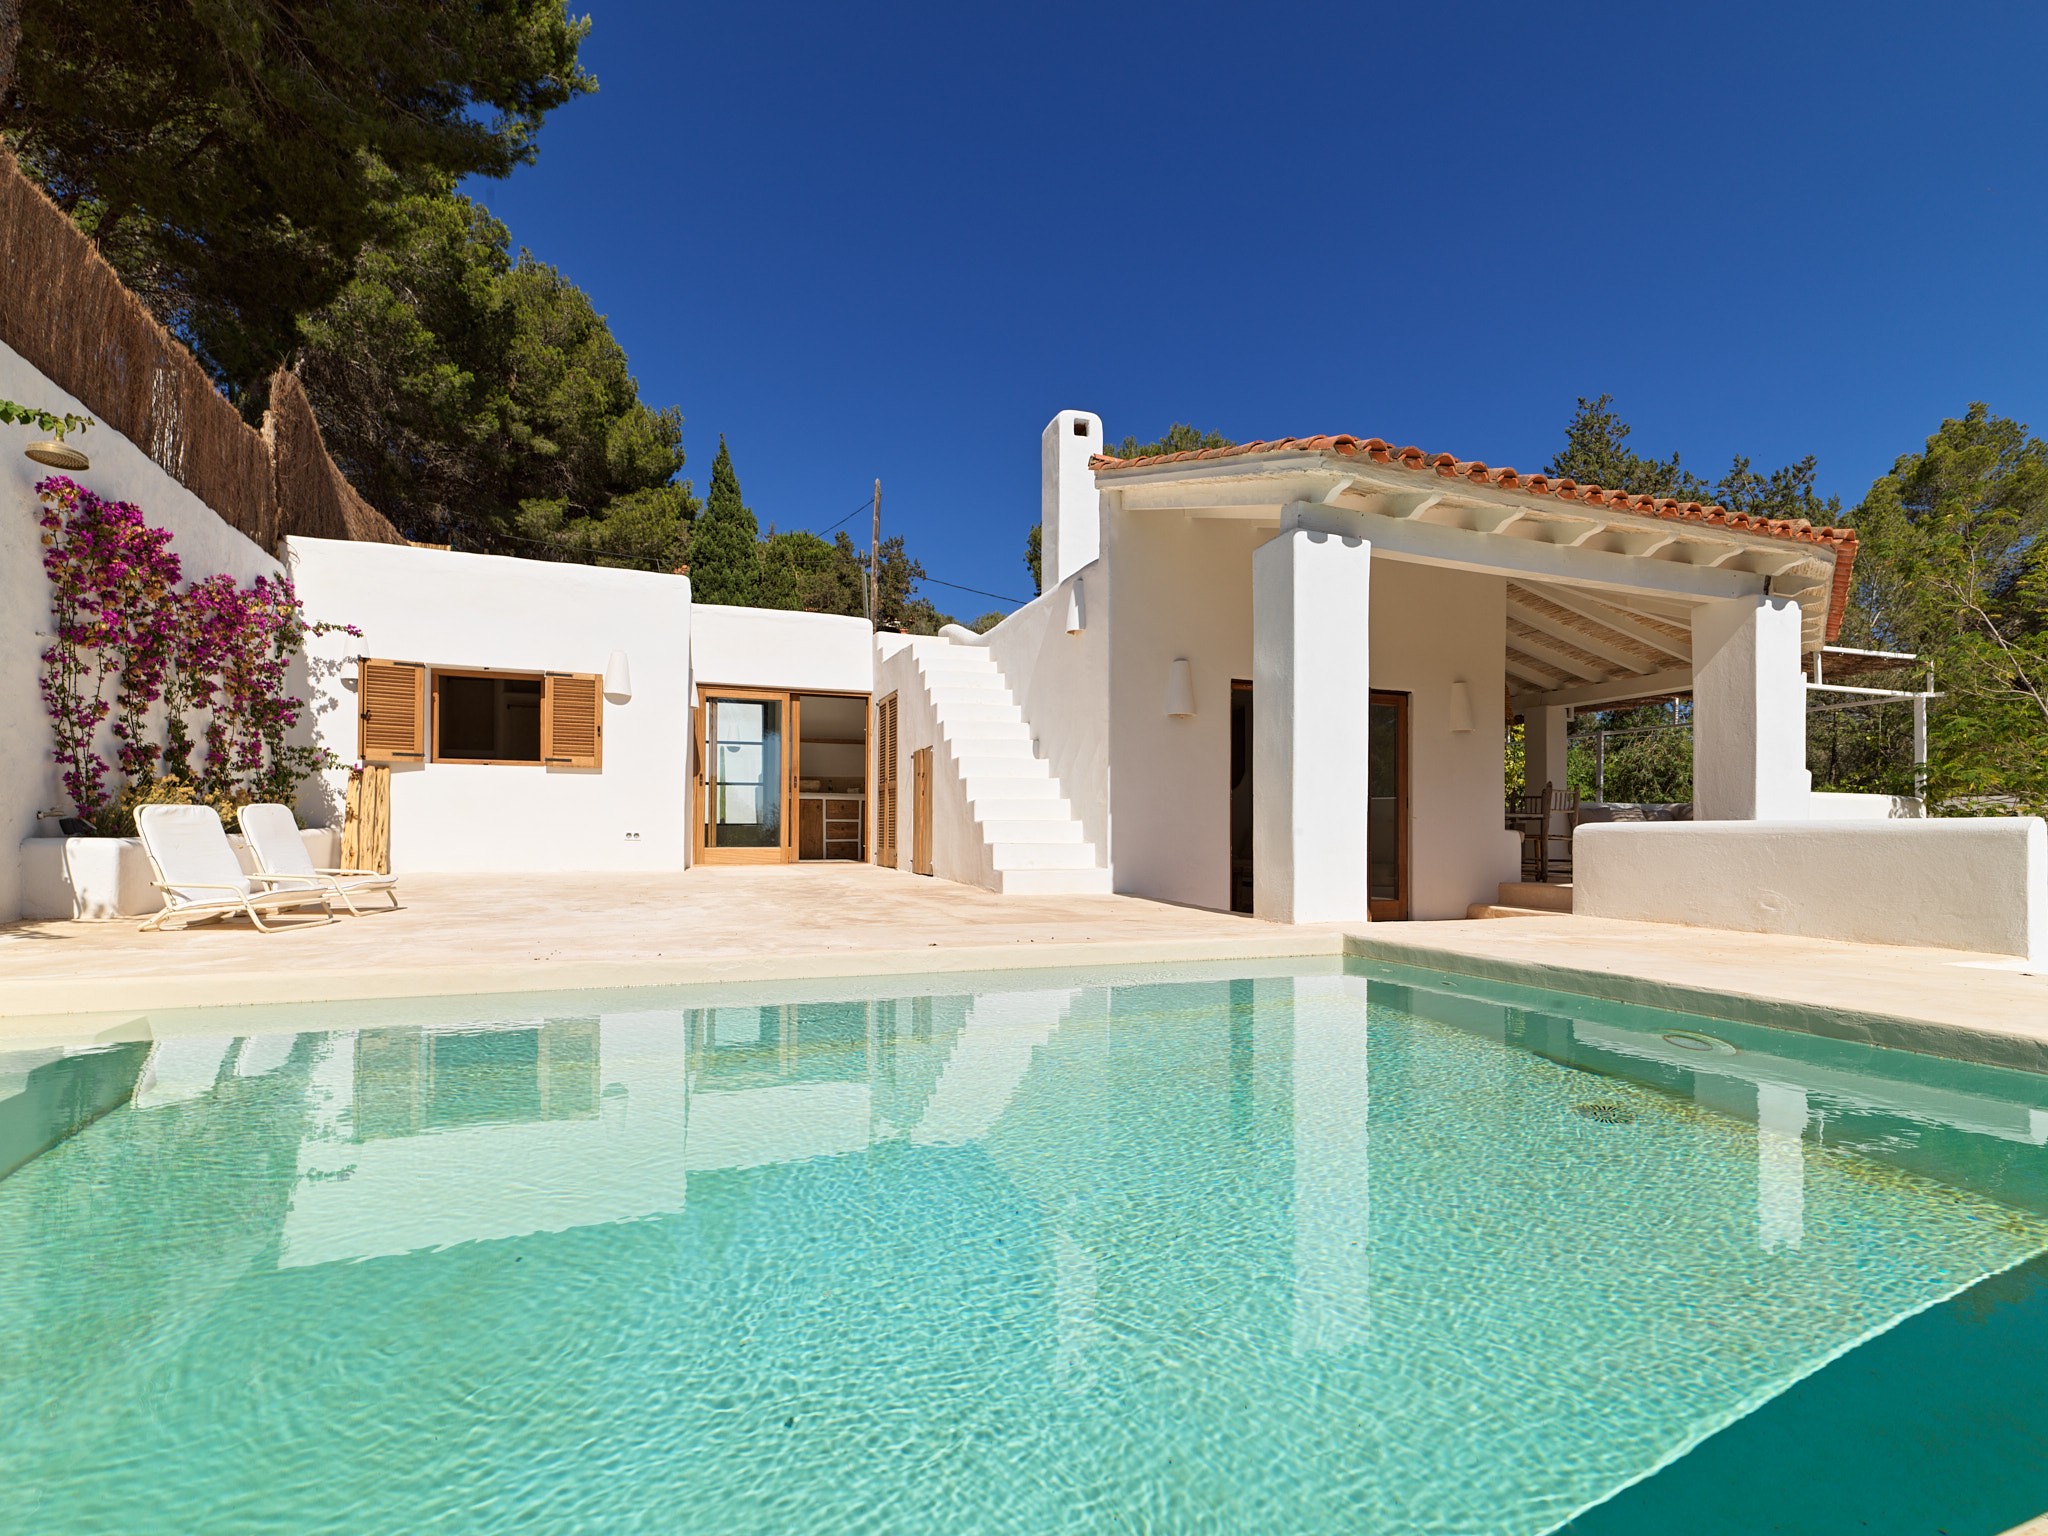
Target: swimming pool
<point>1320,1248</point>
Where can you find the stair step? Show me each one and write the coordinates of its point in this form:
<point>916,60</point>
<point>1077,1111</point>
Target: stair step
<point>1042,855</point>
<point>1008,778</point>
<point>979,707</point>
<point>1052,828</point>
<point>1530,896</point>
<point>1021,807</point>
<point>1053,882</point>
<point>991,746</point>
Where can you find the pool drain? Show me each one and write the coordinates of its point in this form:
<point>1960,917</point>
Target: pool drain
<point>1606,1113</point>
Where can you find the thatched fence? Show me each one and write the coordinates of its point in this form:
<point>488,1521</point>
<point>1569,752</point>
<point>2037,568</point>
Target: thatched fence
<point>63,308</point>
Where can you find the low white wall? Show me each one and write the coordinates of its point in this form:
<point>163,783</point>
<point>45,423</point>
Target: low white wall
<point>29,779</point>
<point>779,648</point>
<point>1972,884</point>
<point>459,610</point>
<point>1061,682</point>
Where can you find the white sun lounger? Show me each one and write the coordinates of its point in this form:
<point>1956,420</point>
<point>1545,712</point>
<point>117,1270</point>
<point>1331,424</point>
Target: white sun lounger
<point>272,833</point>
<point>199,875</point>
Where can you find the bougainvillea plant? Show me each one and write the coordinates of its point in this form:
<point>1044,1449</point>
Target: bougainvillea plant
<point>120,619</point>
<point>111,575</point>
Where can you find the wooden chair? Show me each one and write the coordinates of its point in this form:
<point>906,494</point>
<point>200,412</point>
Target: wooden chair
<point>1527,816</point>
<point>1559,821</point>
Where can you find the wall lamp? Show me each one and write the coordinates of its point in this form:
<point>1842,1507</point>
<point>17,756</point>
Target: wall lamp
<point>618,678</point>
<point>1180,688</point>
<point>1461,706</point>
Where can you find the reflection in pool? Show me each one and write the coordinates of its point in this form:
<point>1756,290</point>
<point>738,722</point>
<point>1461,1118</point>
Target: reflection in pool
<point>1290,1252</point>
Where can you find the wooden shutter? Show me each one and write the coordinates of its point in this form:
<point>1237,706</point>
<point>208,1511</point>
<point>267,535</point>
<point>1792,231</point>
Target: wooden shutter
<point>391,711</point>
<point>885,782</point>
<point>572,720</point>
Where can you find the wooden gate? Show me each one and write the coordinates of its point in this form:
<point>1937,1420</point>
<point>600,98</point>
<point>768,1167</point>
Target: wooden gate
<point>921,811</point>
<point>885,781</point>
<point>366,820</point>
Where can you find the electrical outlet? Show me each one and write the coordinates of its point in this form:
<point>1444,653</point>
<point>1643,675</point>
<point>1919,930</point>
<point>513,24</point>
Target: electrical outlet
<point>632,837</point>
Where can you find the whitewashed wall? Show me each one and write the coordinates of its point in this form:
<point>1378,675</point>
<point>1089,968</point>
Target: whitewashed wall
<point>1061,682</point>
<point>1177,588</point>
<point>1432,627</point>
<point>776,648</point>
<point>29,779</point>
<point>1181,587</point>
<point>460,610</point>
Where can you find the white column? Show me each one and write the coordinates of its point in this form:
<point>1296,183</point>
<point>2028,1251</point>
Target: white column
<point>1749,712</point>
<point>1311,705</point>
<point>1543,747</point>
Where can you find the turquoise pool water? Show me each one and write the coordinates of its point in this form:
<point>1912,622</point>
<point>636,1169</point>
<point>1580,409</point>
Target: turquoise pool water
<point>1360,1251</point>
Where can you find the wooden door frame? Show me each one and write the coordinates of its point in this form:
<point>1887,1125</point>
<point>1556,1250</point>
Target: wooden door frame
<point>878,779</point>
<point>1396,909</point>
<point>700,850</point>
<point>867,704</point>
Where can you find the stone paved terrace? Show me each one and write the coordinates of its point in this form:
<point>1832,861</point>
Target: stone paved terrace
<point>495,933</point>
<point>464,934</point>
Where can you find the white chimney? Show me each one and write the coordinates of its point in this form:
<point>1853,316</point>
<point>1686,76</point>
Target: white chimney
<point>1070,512</point>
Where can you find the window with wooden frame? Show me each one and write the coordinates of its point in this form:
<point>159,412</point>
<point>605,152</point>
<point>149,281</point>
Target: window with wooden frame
<point>471,715</point>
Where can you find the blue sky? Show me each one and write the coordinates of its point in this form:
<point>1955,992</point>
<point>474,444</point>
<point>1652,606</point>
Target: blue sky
<point>869,241</point>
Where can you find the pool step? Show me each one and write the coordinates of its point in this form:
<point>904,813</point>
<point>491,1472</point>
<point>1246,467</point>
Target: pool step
<point>1525,898</point>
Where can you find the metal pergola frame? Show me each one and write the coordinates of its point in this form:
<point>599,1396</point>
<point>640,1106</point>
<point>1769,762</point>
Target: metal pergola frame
<point>1858,698</point>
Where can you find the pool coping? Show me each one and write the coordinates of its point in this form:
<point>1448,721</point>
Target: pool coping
<point>47,1008</point>
<point>1987,1042</point>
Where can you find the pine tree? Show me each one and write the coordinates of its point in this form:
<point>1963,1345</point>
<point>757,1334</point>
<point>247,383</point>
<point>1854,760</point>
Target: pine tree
<point>725,561</point>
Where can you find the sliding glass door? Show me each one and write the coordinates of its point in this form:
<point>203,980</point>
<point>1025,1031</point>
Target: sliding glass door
<point>744,769</point>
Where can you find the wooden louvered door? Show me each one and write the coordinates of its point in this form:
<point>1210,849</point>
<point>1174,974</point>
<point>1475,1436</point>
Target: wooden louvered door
<point>391,711</point>
<point>885,781</point>
<point>572,720</point>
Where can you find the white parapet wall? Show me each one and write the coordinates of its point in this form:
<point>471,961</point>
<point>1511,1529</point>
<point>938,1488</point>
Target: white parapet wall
<point>1978,884</point>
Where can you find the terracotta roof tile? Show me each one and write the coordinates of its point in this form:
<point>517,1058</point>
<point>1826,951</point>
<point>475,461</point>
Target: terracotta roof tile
<point>1376,450</point>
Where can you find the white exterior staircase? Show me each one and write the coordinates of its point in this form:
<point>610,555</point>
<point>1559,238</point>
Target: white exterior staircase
<point>1031,843</point>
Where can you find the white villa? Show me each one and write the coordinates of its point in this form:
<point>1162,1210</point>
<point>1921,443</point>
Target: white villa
<point>1276,677</point>
<point>1273,679</point>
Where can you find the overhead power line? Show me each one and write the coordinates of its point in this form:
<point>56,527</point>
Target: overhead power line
<point>934,581</point>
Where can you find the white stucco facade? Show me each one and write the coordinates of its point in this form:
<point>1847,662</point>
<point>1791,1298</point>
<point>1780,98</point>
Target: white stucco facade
<point>776,648</point>
<point>29,776</point>
<point>488,612</point>
<point>1191,712</point>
